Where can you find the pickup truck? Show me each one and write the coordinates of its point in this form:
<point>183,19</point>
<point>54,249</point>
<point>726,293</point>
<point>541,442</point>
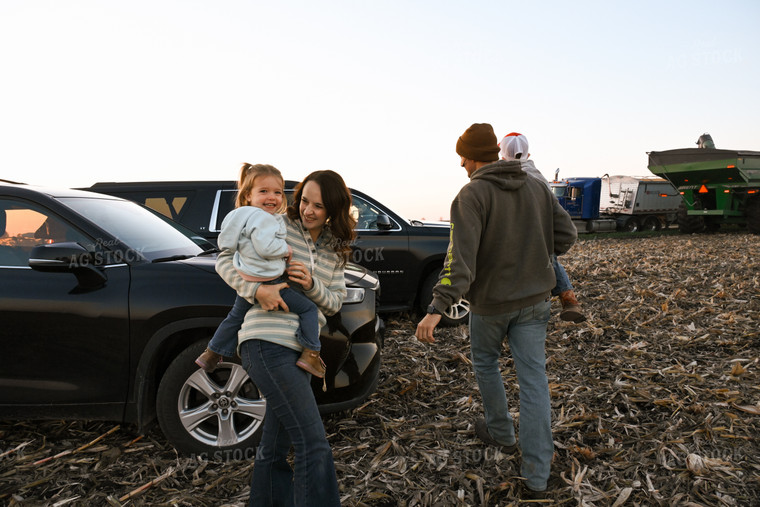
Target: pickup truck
<point>407,255</point>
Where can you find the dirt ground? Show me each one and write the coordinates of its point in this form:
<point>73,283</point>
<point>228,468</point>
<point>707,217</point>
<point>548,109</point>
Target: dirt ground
<point>655,400</point>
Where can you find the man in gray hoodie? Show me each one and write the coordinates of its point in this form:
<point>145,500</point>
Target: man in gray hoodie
<point>505,226</point>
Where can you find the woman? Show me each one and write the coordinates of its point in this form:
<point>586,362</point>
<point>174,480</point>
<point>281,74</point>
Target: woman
<point>320,231</point>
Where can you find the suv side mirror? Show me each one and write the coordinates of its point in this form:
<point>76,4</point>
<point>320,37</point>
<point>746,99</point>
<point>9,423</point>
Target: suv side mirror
<point>67,257</point>
<point>383,222</point>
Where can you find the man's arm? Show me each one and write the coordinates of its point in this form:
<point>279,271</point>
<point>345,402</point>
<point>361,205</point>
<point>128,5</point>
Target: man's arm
<point>459,266</point>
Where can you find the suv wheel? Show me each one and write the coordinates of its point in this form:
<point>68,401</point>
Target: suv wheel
<point>458,313</point>
<point>217,415</point>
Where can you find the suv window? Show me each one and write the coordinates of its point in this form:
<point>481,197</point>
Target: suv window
<point>225,203</point>
<point>129,223</point>
<point>366,214</point>
<point>170,207</point>
<point>24,226</point>
<point>363,212</point>
<point>171,204</point>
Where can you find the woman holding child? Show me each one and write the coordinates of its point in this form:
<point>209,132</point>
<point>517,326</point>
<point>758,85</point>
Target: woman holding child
<point>319,232</point>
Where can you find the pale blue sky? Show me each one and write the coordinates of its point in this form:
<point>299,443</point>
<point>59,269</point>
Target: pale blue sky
<point>378,91</point>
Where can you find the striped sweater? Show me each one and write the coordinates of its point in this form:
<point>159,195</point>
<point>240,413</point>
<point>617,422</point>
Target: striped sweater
<point>328,291</point>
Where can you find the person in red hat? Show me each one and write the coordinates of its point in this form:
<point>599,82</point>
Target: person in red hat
<point>514,146</point>
<point>505,227</point>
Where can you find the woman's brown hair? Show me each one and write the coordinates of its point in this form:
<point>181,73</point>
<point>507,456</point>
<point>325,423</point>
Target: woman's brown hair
<point>337,201</point>
<point>248,174</point>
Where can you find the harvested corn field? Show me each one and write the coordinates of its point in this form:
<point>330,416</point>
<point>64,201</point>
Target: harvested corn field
<point>656,401</point>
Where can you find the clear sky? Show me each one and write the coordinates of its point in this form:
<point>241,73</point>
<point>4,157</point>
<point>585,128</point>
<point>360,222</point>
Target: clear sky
<point>379,91</point>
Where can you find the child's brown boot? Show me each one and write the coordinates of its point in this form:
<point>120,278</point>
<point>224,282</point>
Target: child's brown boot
<point>208,360</point>
<point>571,308</point>
<point>311,362</point>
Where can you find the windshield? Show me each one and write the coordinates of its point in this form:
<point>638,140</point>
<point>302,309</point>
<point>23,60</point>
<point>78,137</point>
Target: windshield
<point>135,226</point>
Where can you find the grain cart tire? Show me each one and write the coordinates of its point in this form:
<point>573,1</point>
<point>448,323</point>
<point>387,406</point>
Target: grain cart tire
<point>651,223</point>
<point>753,215</point>
<point>689,224</point>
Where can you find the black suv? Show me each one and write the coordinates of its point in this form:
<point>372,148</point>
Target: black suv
<point>105,305</point>
<point>407,255</point>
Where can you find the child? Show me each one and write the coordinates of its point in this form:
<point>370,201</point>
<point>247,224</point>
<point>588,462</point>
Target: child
<point>514,146</point>
<point>255,232</point>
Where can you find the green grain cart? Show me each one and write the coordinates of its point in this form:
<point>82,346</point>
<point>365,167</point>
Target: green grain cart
<point>717,186</point>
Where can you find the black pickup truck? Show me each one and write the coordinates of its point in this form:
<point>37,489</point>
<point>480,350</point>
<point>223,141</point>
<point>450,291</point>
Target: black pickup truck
<point>406,254</point>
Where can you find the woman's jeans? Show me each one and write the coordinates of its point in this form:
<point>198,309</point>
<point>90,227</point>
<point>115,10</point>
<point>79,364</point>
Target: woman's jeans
<point>291,418</point>
<point>563,281</point>
<point>525,330</point>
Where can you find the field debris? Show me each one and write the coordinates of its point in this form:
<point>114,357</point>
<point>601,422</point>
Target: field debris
<point>655,399</point>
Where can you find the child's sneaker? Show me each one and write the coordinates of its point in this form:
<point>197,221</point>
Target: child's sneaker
<point>208,360</point>
<point>311,362</point>
<point>571,308</point>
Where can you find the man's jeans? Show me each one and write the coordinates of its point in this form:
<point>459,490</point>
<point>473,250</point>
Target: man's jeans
<point>563,281</point>
<point>291,417</point>
<point>526,331</point>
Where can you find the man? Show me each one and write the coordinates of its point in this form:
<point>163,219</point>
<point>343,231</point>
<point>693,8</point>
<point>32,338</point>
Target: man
<point>504,228</point>
<point>514,146</point>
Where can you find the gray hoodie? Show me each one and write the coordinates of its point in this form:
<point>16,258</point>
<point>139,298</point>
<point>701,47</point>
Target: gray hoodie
<point>504,227</point>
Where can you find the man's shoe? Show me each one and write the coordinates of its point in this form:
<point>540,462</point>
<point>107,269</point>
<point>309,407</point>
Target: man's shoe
<point>571,308</point>
<point>481,430</point>
<point>572,313</point>
<point>530,494</point>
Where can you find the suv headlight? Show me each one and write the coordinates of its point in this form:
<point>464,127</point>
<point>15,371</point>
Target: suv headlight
<point>354,295</point>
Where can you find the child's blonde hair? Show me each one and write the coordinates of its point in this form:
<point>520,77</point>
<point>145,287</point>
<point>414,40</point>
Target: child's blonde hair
<point>248,174</point>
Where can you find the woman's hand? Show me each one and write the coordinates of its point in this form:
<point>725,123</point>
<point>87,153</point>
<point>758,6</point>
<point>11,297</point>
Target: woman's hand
<point>269,297</point>
<point>299,274</point>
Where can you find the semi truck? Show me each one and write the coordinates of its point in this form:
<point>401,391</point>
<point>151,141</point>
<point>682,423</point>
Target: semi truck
<point>617,203</point>
<point>717,186</point>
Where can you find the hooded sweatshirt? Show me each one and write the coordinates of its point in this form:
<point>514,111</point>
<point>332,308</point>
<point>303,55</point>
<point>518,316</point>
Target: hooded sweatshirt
<point>504,227</point>
<point>529,167</point>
